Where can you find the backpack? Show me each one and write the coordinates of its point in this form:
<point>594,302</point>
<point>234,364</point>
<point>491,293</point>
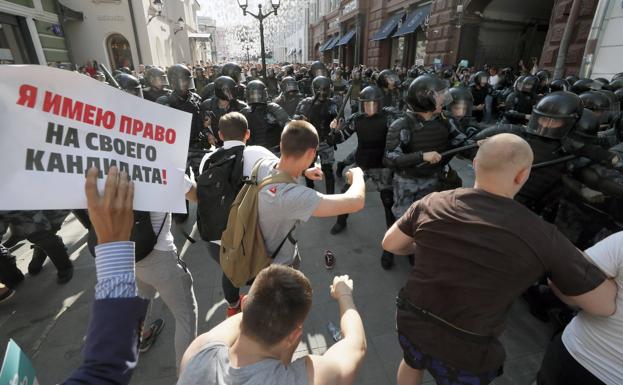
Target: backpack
<point>243,252</point>
<point>217,188</point>
<point>143,235</point>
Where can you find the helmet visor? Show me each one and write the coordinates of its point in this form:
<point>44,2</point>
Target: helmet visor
<point>159,82</point>
<point>226,93</point>
<point>138,91</point>
<point>460,109</point>
<point>323,93</point>
<point>185,84</point>
<point>443,98</point>
<point>256,96</point>
<point>484,80</point>
<point>550,127</point>
<point>371,108</point>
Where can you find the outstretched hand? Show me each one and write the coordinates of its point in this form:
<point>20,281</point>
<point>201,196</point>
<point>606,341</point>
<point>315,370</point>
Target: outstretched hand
<point>111,214</point>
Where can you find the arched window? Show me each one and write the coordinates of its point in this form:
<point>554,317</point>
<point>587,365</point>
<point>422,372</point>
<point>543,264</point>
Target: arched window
<point>119,51</point>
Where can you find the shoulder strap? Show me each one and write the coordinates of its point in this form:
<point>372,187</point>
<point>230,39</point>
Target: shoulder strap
<point>283,242</point>
<point>280,177</point>
<point>162,225</point>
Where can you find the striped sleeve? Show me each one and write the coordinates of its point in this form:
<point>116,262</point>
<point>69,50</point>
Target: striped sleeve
<point>114,264</point>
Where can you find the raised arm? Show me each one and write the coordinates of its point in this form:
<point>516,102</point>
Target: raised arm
<point>351,201</point>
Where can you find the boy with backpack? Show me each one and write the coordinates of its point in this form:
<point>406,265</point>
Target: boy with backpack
<point>263,218</point>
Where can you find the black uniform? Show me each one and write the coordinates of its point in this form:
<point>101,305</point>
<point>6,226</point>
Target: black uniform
<point>266,122</point>
<point>210,108</point>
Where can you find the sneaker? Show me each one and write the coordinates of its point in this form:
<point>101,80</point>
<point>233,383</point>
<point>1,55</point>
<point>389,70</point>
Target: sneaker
<point>337,228</point>
<point>387,260</point>
<point>5,294</point>
<point>156,328</point>
<point>329,260</point>
<point>232,311</point>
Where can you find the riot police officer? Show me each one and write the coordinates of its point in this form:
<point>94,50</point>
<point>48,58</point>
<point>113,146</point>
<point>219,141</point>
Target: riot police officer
<point>544,79</point>
<point>389,82</point>
<point>559,85</point>
<point>130,84</point>
<point>290,97</point>
<point>420,136</point>
<point>233,71</point>
<point>266,119</point>
<point>519,103</point>
<point>340,86</point>
<point>222,102</point>
<point>272,85</point>
<point>316,69</point>
<point>371,125</point>
<point>460,111</point>
<point>320,110</point>
<point>200,80</point>
<point>156,84</point>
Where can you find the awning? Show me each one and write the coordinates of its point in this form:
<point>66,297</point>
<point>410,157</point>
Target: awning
<point>200,36</point>
<point>413,21</point>
<point>69,14</point>
<point>388,27</point>
<point>332,44</point>
<point>325,44</point>
<point>347,37</point>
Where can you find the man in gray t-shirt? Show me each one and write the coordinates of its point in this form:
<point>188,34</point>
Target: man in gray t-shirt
<point>282,206</point>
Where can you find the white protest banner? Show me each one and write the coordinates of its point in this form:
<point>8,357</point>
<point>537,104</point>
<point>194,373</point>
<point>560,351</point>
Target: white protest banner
<point>56,124</point>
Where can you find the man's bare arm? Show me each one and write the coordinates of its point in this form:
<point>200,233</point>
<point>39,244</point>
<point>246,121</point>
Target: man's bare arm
<point>351,201</point>
<point>600,301</point>
<point>397,242</point>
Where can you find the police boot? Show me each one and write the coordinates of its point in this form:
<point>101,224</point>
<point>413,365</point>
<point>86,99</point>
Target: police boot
<point>36,263</point>
<point>387,197</point>
<point>387,260</point>
<point>54,247</point>
<point>339,225</point>
<point>327,170</point>
<point>10,275</point>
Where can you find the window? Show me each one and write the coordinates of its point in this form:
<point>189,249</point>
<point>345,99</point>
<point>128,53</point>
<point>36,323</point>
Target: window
<point>13,49</point>
<point>119,52</point>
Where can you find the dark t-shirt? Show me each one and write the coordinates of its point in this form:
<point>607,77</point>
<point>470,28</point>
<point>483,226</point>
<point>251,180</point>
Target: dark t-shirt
<point>476,252</point>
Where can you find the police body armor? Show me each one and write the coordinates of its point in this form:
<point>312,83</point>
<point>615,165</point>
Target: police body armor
<point>518,104</point>
<point>289,103</point>
<point>190,104</point>
<point>371,137</point>
<point>266,122</point>
<point>415,136</point>
<point>153,94</point>
<point>209,108</point>
<point>320,115</point>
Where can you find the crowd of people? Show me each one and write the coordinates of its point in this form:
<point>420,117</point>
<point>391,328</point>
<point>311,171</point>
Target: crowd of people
<point>547,155</point>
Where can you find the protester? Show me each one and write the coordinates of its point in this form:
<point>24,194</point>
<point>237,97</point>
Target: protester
<point>111,347</point>
<point>590,350</point>
<point>483,249</point>
<point>256,347</point>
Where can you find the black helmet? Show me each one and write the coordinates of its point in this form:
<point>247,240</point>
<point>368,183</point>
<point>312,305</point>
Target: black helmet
<point>617,76</point>
<point>370,100</point>
<point>388,79</point>
<point>425,92</point>
<point>559,85</point>
<point>555,115</point>
<point>519,83</point>
<point>604,82</point>
<point>595,101</point>
<point>289,84</point>
<point>615,84</point>
<point>585,85</point>
<point>156,78</point>
<point>130,84</point>
<point>126,70</point>
<point>412,73</point>
<point>529,84</point>
<point>318,69</point>
<point>180,78</point>
<point>481,78</point>
<point>321,87</point>
<point>368,73</point>
<point>224,88</point>
<point>614,101</point>
<point>619,94</point>
<point>571,79</point>
<point>232,70</point>
<point>256,93</point>
<point>289,70</point>
<point>462,102</point>
<point>543,76</point>
<point>588,124</point>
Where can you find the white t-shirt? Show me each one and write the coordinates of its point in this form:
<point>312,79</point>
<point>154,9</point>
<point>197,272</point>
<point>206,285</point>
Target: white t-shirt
<point>165,240</point>
<point>597,342</point>
<point>494,80</point>
<point>251,155</point>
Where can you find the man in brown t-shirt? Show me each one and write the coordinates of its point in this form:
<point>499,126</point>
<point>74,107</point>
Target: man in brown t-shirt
<point>476,250</point>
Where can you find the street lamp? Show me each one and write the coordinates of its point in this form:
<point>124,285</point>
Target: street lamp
<point>158,9</point>
<point>180,26</point>
<point>260,16</point>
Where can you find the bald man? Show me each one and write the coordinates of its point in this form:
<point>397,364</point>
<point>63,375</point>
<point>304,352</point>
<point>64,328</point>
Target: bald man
<point>475,251</point>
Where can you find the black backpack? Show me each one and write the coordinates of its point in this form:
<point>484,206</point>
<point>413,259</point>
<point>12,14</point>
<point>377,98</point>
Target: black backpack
<point>143,235</point>
<point>217,188</point>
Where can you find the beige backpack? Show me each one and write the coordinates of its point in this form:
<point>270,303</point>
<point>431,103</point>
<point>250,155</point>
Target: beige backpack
<point>243,253</point>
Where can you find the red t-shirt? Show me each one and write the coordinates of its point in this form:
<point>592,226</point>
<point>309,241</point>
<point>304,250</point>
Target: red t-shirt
<point>476,252</point>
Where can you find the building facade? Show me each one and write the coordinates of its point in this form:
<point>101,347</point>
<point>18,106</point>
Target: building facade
<point>206,27</point>
<point>31,32</point>
<point>388,33</point>
<point>291,44</point>
<point>125,33</point>
<point>604,47</point>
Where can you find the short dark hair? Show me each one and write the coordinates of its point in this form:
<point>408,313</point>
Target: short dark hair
<point>297,137</point>
<point>233,125</point>
<point>278,302</point>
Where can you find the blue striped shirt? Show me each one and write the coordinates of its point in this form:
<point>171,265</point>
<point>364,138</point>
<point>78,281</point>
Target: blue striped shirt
<point>114,266</point>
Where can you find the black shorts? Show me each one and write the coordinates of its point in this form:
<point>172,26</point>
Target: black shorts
<point>442,372</point>
<point>560,368</point>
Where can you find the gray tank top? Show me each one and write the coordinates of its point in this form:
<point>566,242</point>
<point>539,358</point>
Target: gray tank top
<point>211,367</point>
